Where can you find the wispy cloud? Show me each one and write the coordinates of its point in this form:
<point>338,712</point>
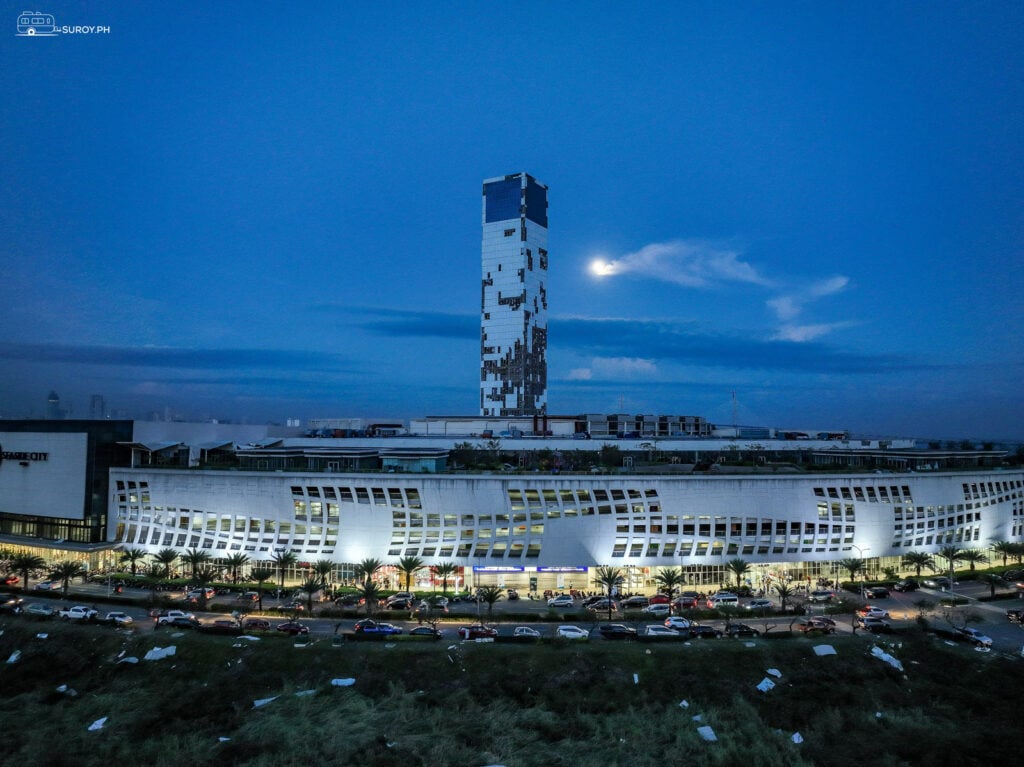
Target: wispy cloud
<point>790,306</point>
<point>615,368</point>
<point>691,263</point>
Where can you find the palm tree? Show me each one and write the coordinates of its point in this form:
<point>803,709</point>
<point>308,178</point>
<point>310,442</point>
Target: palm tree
<point>324,570</point>
<point>235,563</point>
<point>195,558</point>
<point>972,557</point>
<point>445,570</point>
<point>610,579</point>
<point>992,580</point>
<point>918,560</point>
<point>133,557</point>
<point>370,592</point>
<point>166,557</point>
<point>853,564</point>
<point>784,591</point>
<point>65,572</point>
<point>309,587</point>
<point>261,575</point>
<point>282,561</point>
<point>365,570</point>
<point>739,568</point>
<point>490,595</point>
<point>408,566</point>
<point>26,565</point>
<point>951,554</point>
<point>1003,549</point>
<point>669,580</point>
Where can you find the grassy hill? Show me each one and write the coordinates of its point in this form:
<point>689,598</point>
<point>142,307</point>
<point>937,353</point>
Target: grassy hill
<point>430,704</point>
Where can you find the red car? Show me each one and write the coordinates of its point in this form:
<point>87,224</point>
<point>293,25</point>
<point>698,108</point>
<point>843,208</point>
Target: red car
<point>293,628</point>
<point>477,631</point>
<point>659,599</point>
<point>10,580</point>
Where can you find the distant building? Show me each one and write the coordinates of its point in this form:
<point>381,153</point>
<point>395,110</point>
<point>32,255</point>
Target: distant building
<point>53,410</point>
<point>97,407</point>
<point>513,312</point>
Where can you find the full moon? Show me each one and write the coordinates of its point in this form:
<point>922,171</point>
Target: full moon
<point>601,268</point>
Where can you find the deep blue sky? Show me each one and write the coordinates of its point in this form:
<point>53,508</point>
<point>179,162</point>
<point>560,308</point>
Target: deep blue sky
<point>256,211</point>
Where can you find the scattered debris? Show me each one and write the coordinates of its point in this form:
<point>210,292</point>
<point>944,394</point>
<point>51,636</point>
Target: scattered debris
<point>878,715</point>
<point>824,649</point>
<point>305,693</point>
<point>707,733</point>
<point>129,659</point>
<point>750,644</point>
<point>636,679</point>
<point>14,656</point>
<point>249,638</point>
<point>159,653</point>
<point>698,718</point>
<point>222,739</point>
<point>775,673</point>
<point>42,636</point>
<point>881,654</point>
<point>342,682</point>
<point>797,738</point>
<point>684,704</point>
<point>766,685</point>
<point>98,724</point>
<point>263,701</point>
<point>979,648</point>
<point>70,692</point>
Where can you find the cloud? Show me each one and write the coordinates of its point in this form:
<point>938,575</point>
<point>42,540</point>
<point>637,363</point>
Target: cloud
<point>802,333</point>
<point>168,357</point>
<point>690,263</point>
<point>788,307</point>
<point>616,368</point>
<point>411,323</point>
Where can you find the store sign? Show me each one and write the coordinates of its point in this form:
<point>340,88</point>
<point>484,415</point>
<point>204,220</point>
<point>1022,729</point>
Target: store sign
<point>497,569</point>
<point>562,569</point>
<point>22,456</point>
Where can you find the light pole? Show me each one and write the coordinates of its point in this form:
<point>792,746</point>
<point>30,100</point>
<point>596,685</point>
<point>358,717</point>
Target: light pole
<point>863,565</point>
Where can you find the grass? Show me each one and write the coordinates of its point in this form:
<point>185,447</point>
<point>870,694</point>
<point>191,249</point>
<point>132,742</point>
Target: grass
<point>520,706</point>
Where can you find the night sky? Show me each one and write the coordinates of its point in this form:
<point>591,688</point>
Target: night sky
<point>262,211</point>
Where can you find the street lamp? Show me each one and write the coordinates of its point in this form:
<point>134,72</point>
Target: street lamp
<point>863,565</point>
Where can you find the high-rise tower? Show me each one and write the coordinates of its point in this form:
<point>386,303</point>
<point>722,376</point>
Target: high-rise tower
<point>514,304</point>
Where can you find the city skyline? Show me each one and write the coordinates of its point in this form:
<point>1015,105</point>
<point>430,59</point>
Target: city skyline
<point>816,208</point>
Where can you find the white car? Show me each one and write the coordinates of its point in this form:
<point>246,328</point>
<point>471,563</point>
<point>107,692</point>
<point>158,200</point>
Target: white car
<point>759,604</point>
<point>658,611</point>
<point>563,600</point>
<point>872,612</point>
<point>119,619</point>
<point>571,632</point>
<point>656,631</point>
<point>47,586</point>
<point>77,613</point>
<point>525,632</point>
<point>675,623</point>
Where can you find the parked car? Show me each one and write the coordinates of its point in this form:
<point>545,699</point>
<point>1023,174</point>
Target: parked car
<point>869,611</point>
<point>603,605</point>
<point>77,613</point>
<point>407,596</point>
<point>525,632</point>
<point>675,623</point>
<point>973,635</point>
<point>658,599</point>
<point>657,631</point>
<point>735,630</point>
<point>1015,615</point>
<point>477,631</point>
<point>180,622</point>
<point>166,616</point>
<point>907,584</point>
<point>222,626</point>
<point>759,604</point>
<point>255,624</point>
<point>119,619</point>
<point>350,600</point>
<point>635,603</point>
<point>704,632</point>
<point>11,580</point>
<point>875,592</point>
<point>571,632</point>
<point>47,586</point>
<point>293,628</point>
<point>821,596</point>
<point>658,610</point>
<point>563,600</point>
<point>875,625</point>
<point>249,596</point>
<point>38,610</point>
<point>687,600</point>
<point>723,599</point>
<point>941,583</point>
<point>815,626</point>
<point>399,604</point>
<point>616,631</point>
<point>426,631</point>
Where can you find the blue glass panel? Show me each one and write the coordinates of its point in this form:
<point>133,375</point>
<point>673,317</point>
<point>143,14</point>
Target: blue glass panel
<point>503,199</point>
<point>536,203</point>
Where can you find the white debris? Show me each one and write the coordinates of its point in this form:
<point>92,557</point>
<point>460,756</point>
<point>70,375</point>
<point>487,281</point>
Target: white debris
<point>797,738</point>
<point>249,638</point>
<point>98,724</point>
<point>177,634</point>
<point>305,693</point>
<point>14,656</point>
<point>881,654</point>
<point>824,649</point>
<point>750,644</point>
<point>222,739</point>
<point>878,715</point>
<point>684,704</point>
<point>159,653</point>
<point>698,718</point>
<point>766,685</point>
<point>774,672</point>
<point>42,636</point>
<point>707,733</point>
<point>953,644</point>
<point>129,659</point>
<point>636,679</point>
<point>263,701</point>
<point>979,648</point>
<point>390,645</point>
<point>342,682</point>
